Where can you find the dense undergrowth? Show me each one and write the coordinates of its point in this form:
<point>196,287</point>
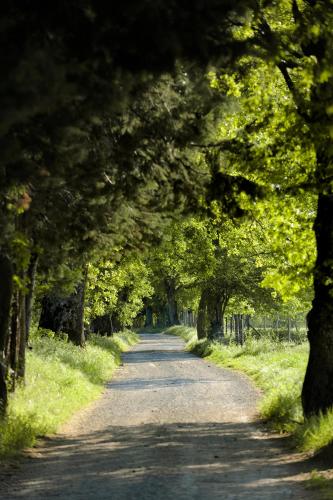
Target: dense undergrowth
<point>278,369</point>
<point>61,378</point>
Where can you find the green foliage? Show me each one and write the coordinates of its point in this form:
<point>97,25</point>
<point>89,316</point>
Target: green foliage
<point>61,378</point>
<point>118,287</point>
<point>316,432</point>
<point>111,172</point>
<point>187,333</point>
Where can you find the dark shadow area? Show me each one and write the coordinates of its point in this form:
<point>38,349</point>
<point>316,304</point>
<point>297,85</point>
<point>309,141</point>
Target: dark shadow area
<point>156,383</point>
<point>144,356</point>
<point>175,461</point>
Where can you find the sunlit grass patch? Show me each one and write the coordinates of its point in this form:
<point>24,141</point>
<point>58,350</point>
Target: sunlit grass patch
<point>61,378</point>
<point>316,432</point>
<point>185,332</point>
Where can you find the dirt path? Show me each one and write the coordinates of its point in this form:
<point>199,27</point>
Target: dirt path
<point>169,426</point>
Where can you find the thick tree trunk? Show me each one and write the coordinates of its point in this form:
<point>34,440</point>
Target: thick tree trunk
<point>211,310</point>
<point>6,291</point>
<point>31,274</point>
<point>215,318</point>
<point>317,394</point>
<point>172,303</point>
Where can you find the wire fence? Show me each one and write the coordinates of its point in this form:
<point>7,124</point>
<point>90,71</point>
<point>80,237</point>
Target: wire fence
<point>282,328</point>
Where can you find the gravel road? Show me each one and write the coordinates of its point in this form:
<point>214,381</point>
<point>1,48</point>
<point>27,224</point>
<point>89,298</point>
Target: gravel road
<point>169,426</point>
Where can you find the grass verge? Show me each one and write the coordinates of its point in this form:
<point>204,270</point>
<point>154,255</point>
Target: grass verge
<point>278,369</point>
<point>60,379</point>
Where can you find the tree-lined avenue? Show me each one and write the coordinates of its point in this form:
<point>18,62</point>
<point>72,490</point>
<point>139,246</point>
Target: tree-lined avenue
<point>168,426</point>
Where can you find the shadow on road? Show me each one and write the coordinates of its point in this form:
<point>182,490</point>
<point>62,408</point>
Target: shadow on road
<point>182,461</point>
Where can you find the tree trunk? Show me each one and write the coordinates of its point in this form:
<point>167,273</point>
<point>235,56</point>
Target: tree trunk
<point>185,317</point>
<point>172,303</point>
<point>17,338</point>
<point>75,325</point>
<point>241,329</point>
<point>31,274</point>
<point>317,394</point>
<point>22,341</point>
<point>236,320</point>
<point>149,317</point>
<point>6,291</point>
<point>202,313</point>
<point>289,330</point>
<point>215,316</point>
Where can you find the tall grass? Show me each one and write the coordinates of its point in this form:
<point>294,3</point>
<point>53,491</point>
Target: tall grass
<point>61,378</point>
<point>278,369</point>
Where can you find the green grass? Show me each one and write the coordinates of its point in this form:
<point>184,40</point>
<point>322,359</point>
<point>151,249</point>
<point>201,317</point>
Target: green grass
<point>278,370</point>
<point>322,484</point>
<point>60,379</point>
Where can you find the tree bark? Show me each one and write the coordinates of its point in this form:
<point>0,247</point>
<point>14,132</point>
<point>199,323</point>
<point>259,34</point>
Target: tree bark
<point>31,274</point>
<point>75,326</point>
<point>172,302</point>
<point>317,394</point>
<point>6,291</point>
<point>202,313</point>
<point>217,304</point>
<point>289,329</point>
<point>215,317</point>
<point>17,338</point>
<point>22,337</point>
<point>237,337</point>
<point>241,329</point>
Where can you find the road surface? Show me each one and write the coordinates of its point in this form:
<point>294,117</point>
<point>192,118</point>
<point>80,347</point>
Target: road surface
<point>168,426</point>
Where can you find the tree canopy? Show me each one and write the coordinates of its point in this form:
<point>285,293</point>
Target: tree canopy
<point>120,120</point>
